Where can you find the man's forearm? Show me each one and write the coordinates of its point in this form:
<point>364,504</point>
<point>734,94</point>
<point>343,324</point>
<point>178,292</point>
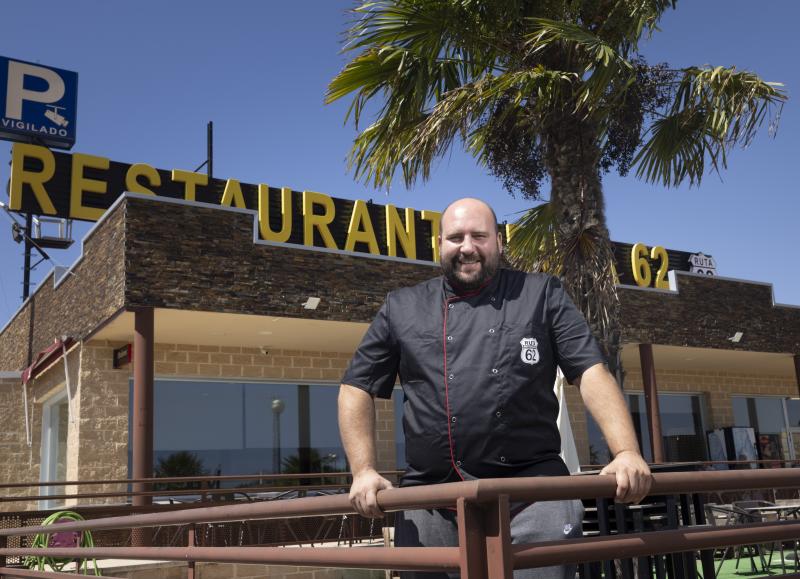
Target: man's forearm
<point>603,398</point>
<point>357,427</point>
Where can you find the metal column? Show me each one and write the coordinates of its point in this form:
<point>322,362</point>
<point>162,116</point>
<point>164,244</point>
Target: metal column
<point>797,371</point>
<point>651,401</point>
<point>143,355</point>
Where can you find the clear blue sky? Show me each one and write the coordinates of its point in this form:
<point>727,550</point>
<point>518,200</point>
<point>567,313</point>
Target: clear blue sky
<point>153,73</point>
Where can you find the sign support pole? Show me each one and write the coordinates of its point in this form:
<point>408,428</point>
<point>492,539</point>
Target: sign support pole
<point>26,276</point>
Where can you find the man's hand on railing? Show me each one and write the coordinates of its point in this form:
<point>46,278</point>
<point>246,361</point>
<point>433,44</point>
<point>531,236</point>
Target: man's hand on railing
<point>633,476</point>
<point>364,491</point>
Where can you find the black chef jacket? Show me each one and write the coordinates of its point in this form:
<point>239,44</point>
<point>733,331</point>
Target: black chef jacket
<point>477,371</point>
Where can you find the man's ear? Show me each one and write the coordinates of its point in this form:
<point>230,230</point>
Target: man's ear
<point>500,242</point>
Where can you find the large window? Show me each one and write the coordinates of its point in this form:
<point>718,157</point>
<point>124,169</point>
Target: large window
<point>245,428</point>
<point>776,422</point>
<point>682,428</point>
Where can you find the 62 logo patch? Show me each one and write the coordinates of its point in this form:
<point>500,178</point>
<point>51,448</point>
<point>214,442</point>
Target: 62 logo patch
<point>529,353</point>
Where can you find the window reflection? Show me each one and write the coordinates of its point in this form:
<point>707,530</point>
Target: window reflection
<point>212,428</point>
<point>768,417</point>
<point>682,429</point>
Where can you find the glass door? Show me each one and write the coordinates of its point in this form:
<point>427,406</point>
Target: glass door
<point>55,424</point>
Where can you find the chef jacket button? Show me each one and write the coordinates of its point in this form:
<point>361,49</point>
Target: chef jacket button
<point>450,377</point>
<point>495,370</point>
<point>498,414</point>
<point>453,419</point>
<point>458,463</point>
<point>491,299</point>
<point>449,338</point>
<point>450,306</point>
<point>502,459</point>
<point>491,330</point>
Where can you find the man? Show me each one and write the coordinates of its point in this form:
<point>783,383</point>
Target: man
<point>476,351</point>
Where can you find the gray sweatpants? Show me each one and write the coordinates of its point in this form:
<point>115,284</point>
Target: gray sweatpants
<point>542,521</point>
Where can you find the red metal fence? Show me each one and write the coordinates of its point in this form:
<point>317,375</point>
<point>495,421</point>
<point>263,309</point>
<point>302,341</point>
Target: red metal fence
<point>484,550</point>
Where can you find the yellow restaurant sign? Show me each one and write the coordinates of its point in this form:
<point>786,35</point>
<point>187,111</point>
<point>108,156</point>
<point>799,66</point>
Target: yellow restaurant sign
<point>83,187</point>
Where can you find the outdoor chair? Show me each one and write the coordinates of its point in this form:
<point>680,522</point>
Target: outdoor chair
<point>777,514</point>
<point>730,516</point>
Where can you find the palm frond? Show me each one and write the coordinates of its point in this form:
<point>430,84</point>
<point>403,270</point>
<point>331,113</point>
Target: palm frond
<point>599,63</point>
<point>628,20</point>
<point>581,257</point>
<point>713,109</point>
<point>532,245</point>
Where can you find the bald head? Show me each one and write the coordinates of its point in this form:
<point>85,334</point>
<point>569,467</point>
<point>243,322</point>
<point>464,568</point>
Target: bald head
<point>471,204</point>
<point>469,243</point>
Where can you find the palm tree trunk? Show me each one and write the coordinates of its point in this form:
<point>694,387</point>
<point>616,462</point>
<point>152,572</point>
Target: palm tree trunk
<point>584,247</point>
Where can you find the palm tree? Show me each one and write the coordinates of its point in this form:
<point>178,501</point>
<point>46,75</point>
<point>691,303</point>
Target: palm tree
<point>179,464</point>
<point>537,91</point>
<point>314,462</point>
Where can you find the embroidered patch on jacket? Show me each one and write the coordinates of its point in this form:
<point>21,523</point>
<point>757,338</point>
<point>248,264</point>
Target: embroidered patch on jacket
<point>529,353</point>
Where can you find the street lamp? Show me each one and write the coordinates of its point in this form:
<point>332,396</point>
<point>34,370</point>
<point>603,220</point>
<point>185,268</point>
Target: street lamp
<point>277,407</point>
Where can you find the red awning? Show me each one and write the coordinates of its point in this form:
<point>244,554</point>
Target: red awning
<point>46,357</point>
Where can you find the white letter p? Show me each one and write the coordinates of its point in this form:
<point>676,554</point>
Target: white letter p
<point>17,93</point>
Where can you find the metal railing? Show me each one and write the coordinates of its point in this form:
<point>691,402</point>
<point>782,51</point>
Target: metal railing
<point>484,550</point>
<point>207,487</point>
<point>195,492</point>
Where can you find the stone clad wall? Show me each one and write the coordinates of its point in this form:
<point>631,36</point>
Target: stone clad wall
<point>210,263</point>
<point>85,299</point>
<point>705,312</point>
<point>13,447</point>
<point>20,462</point>
<point>103,440</point>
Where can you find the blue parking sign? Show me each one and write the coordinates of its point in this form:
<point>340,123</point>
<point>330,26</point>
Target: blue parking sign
<point>38,104</point>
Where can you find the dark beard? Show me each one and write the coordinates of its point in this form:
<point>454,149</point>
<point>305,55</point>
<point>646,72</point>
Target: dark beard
<point>488,269</point>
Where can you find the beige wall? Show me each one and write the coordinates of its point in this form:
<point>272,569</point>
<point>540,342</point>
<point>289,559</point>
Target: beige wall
<point>17,457</point>
<point>21,462</point>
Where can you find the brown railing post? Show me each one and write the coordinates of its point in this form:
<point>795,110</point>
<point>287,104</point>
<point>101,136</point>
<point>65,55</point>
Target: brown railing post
<point>471,540</point>
<point>191,543</point>
<point>498,539</point>
<point>484,539</point>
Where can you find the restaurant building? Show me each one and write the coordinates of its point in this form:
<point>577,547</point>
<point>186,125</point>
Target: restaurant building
<point>238,307</point>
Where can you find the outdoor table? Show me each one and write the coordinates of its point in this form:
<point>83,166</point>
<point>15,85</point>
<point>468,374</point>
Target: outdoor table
<point>783,512</point>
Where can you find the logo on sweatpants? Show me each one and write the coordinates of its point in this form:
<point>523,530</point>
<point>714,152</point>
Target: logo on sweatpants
<point>529,353</point>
